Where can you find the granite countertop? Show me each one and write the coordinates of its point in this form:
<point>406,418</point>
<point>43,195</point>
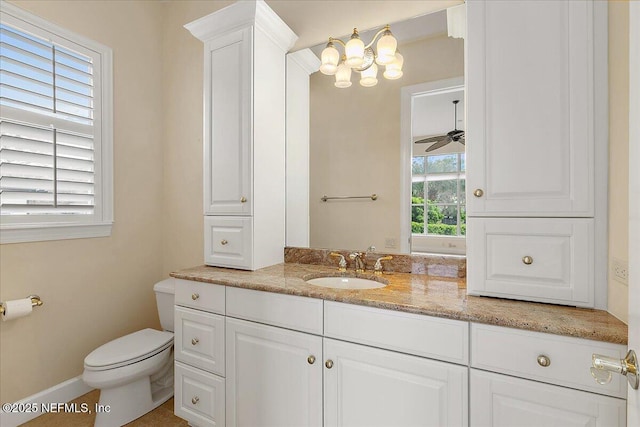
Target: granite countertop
<point>422,294</point>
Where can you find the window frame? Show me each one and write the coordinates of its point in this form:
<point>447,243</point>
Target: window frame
<point>410,243</point>
<point>33,228</point>
<point>434,242</point>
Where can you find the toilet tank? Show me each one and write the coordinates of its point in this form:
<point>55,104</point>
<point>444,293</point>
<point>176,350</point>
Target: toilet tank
<point>165,291</point>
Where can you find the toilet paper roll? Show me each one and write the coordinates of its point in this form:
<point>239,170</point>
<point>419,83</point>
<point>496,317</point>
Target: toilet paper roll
<point>16,308</point>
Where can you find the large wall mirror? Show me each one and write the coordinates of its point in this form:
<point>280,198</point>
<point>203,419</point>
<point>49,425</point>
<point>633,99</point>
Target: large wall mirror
<point>356,147</point>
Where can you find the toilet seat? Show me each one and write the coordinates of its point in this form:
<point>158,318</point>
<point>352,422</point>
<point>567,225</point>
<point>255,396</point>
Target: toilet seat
<point>128,350</point>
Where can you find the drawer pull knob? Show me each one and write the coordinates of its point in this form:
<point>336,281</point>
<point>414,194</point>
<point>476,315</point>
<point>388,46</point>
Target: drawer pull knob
<point>527,260</point>
<point>195,296</point>
<point>478,192</point>
<point>195,341</point>
<point>329,363</point>
<point>311,359</point>
<point>243,200</point>
<point>544,361</point>
<point>223,242</point>
<point>195,399</point>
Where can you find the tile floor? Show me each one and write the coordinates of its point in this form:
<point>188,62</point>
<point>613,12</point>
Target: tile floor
<point>162,416</point>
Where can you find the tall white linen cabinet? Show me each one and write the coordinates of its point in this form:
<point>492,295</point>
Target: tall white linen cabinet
<point>245,48</point>
<point>537,147</point>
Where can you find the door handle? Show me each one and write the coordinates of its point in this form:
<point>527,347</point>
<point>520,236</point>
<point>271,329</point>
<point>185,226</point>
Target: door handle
<point>603,366</point>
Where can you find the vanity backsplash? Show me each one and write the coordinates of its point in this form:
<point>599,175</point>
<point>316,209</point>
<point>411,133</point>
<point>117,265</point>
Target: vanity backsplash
<point>454,266</point>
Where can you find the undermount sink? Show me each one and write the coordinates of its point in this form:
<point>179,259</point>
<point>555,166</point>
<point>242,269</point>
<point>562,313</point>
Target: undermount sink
<point>346,283</point>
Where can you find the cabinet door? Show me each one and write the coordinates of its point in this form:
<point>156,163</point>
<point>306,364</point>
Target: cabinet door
<point>530,134</point>
<point>365,386</point>
<point>502,401</point>
<point>227,128</point>
<point>272,379</point>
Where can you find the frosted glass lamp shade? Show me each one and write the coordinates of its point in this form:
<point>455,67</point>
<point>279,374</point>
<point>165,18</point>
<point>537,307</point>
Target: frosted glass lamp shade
<point>330,58</point>
<point>368,77</point>
<point>343,76</point>
<point>355,52</point>
<point>393,71</point>
<point>386,46</point>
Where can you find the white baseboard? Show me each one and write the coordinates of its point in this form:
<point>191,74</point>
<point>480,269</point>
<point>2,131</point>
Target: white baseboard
<point>59,393</point>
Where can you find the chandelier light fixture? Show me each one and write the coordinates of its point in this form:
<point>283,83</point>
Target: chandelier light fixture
<point>362,59</point>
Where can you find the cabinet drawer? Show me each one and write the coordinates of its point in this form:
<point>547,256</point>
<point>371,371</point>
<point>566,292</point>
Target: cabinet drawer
<point>431,337</point>
<point>287,311</point>
<point>199,396</point>
<point>503,401</point>
<point>203,296</point>
<point>199,339</point>
<point>228,242</point>
<point>546,260</point>
<point>515,352</point>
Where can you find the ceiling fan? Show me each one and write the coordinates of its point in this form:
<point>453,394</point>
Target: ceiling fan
<point>442,140</point>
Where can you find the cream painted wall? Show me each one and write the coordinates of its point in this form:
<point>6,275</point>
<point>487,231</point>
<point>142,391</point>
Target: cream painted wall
<point>355,148</point>
<point>618,151</point>
<point>182,68</point>
<point>95,290</point>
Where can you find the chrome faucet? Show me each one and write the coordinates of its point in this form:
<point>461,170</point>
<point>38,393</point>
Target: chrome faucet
<point>357,257</point>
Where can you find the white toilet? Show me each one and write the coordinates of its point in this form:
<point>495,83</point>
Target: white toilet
<point>134,373</point>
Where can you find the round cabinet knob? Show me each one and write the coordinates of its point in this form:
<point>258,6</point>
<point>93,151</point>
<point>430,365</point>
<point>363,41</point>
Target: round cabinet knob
<point>329,364</point>
<point>311,359</point>
<point>195,399</point>
<point>195,341</point>
<point>195,296</point>
<point>478,192</point>
<point>544,361</point>
<point>223,242</point>
<point>527,260</point>
<point>243,200</point>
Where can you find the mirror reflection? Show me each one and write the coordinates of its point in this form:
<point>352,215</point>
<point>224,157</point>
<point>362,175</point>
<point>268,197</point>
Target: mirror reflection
<point>356,148</point>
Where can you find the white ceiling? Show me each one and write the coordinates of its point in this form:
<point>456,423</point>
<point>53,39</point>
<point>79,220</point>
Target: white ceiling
<point>434,114</point>
<point>315,20</point>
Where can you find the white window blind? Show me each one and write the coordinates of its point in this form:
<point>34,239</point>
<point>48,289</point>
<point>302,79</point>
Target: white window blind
<point>52,139</point>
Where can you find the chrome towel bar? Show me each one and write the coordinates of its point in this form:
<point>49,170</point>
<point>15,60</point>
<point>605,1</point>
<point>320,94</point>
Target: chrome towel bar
<point>372,197</point>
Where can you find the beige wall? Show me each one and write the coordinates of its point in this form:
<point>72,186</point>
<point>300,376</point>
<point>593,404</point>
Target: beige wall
<point>355,147</point>
<point>618,151</point>
<point>182,67</point>
<point>95,290</point>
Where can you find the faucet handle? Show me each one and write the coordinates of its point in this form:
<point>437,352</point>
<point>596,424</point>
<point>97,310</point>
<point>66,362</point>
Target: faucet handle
<point>342,264</point>
<point>377,268</point>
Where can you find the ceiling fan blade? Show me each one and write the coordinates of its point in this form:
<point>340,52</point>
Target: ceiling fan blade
<point>430,140</point>
<point>439,144</point>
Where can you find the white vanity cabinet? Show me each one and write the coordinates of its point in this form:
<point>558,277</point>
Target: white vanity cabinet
<point>504,401</point>
<point>536,149</point>
<point>199,352</point>
<point>535,379</point>
<point>244,134</point>
<point>274,376</point>
<point>252,358</point>
<point>368,386</point>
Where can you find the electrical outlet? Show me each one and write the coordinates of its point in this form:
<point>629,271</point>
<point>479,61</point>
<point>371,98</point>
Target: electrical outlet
<point>390,243</point>
<point>620,270</point>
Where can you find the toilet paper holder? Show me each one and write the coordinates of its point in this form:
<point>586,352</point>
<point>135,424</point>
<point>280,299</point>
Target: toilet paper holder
<point>35,302</point>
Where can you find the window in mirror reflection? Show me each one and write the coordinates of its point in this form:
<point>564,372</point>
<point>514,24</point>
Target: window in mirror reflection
<point>438,195</point>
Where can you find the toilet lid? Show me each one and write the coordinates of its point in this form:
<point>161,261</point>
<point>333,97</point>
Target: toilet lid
<point>129,349</point>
